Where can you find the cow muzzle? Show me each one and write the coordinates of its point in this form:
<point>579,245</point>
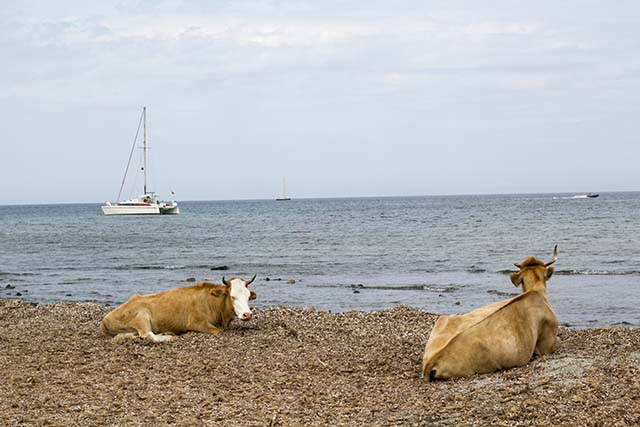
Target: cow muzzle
<point>246,316</point>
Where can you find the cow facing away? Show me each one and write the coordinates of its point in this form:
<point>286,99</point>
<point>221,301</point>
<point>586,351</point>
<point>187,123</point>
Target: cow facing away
<point>497,336</point>
<point>203,307</point>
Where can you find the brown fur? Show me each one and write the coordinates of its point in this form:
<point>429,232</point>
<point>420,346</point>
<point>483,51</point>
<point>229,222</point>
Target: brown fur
<point>203,307</point>
<point>497,336</point>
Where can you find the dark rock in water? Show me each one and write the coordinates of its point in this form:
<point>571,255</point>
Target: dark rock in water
<point>68,295</point>
<point>291,282</point>
<point>220,268</point>
<point>457,302</point>
<point>356,291</point>
<point>18,294</point>
<point>9,287</point>
<point>191,279</point>
<point>266,279</point>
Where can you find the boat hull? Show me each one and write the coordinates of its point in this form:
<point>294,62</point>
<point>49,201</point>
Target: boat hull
<point>131,210</point>
<point>169,209</point>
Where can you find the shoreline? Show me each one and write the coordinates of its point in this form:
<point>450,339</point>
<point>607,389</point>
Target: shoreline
<point>297,366</point>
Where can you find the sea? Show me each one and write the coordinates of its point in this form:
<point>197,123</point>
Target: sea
<point>442,254</point>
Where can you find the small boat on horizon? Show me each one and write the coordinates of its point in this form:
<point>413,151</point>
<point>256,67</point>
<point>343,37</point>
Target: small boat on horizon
<point>148,203</point>
<point>585,196</point>
<point>284,196</point>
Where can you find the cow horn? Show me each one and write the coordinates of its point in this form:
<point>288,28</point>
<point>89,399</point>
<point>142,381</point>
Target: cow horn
<point>224,281</point>
<point>555,256</point>
<point>517,264</point>
<point>250,281</point>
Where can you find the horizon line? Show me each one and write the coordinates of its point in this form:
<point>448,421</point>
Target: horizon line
<point>341,197</point>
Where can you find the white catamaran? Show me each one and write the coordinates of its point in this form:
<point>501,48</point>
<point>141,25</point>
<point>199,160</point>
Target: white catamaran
<point>148,203</point>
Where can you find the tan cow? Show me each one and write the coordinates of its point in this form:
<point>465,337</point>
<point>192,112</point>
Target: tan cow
<point>203,307</point>
<point>497,336</point>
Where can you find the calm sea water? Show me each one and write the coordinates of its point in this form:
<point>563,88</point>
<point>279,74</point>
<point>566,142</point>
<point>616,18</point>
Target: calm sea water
<point>442,254</point>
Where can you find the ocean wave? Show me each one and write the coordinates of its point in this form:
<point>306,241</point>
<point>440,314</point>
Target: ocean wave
<point>359,286</point>
<point>160,267</point>
<point>10,274</point>
<point>585,272</point>
<point>597,273</point>
<point>502,293</point>
<point>77,281</point>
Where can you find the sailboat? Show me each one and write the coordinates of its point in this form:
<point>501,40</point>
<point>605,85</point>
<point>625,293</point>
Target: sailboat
<point>147,203</point>
<point>284,196</point>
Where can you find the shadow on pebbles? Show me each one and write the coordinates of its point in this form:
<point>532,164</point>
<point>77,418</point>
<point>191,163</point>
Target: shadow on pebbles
<point>297,367</point>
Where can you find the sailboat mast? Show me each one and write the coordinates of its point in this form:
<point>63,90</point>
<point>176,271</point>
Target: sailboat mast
<point>144,147</point>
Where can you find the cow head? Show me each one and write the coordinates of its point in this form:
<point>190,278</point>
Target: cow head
<point>534,273</point>
<point>240,295</point>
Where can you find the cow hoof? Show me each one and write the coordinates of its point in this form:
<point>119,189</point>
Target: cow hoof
<point>164,338</point>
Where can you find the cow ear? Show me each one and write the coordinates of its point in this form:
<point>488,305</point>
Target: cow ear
<point>253,295</point>
<point>220,293</point>
<point>550,271</point>
<point>515,279</point>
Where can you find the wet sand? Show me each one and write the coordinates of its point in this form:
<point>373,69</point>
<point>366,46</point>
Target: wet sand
<point>297,367</point>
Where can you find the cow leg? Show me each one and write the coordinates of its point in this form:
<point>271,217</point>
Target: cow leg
<point>125,336</point>
<point>547,344</point>
<point>203,326</point>
<point>142,323</point>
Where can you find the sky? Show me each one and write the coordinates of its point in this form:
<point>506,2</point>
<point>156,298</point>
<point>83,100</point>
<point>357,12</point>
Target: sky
<point>340,97</point>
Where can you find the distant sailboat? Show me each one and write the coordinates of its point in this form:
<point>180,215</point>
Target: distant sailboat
<point>147,203</point>
<point>284,196</point>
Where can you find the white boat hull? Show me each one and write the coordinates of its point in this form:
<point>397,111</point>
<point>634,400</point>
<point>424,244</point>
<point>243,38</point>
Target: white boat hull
<point>169,208</point>
<point>145,205</point>
<point>131,210</point>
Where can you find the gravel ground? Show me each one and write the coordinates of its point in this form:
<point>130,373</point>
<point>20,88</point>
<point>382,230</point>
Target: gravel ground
<point>297,367</point>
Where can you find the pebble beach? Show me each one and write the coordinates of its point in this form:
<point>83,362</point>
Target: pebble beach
<point>297,367</point>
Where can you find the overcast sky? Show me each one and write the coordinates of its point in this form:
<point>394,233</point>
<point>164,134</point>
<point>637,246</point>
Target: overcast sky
<point>343,98</point>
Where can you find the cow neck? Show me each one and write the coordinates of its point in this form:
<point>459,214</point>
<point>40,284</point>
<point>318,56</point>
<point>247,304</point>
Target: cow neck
<point>539,284</point>
<point>539,289</point>
<point>227,313</point>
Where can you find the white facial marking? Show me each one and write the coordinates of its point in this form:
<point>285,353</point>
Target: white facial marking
<point>240,297</point>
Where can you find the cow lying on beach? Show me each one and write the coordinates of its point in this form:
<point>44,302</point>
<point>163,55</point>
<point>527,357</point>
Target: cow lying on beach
<point>497,336</point>
<point>203,307</point>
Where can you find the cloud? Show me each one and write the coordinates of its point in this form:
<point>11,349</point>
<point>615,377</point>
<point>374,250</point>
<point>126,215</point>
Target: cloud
<point>326,80</point>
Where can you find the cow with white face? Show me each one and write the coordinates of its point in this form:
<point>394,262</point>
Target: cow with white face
<point>203,307</point>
